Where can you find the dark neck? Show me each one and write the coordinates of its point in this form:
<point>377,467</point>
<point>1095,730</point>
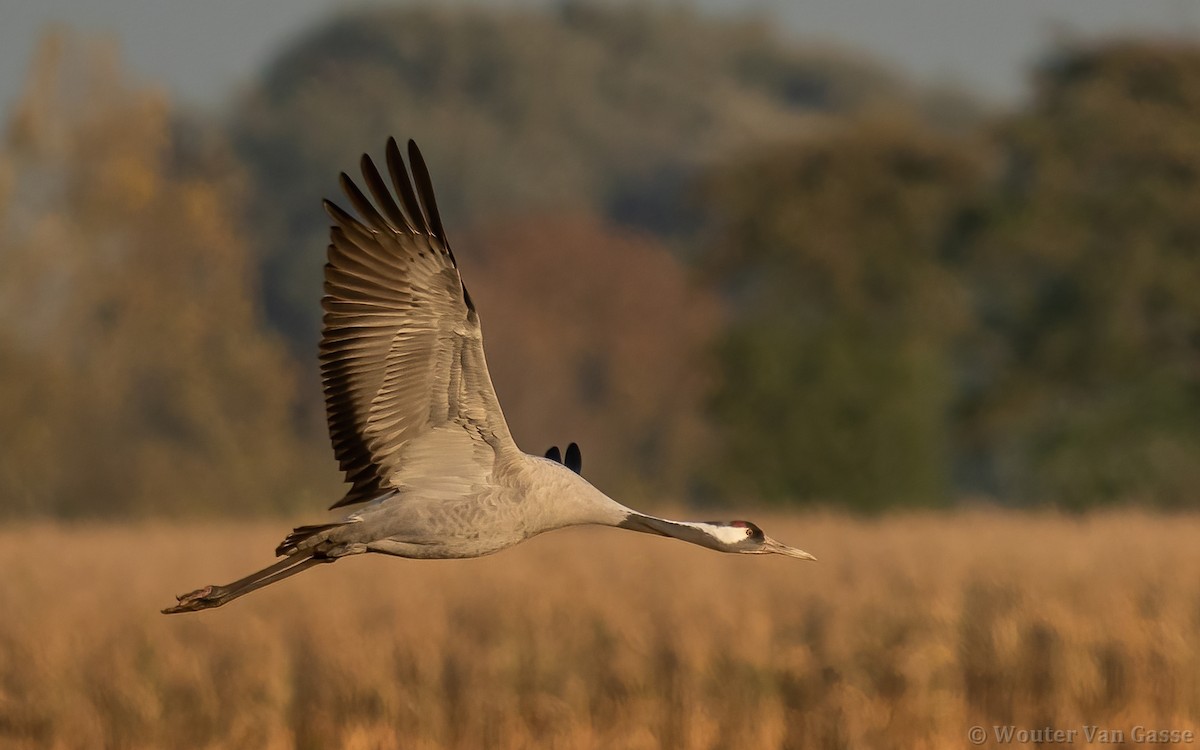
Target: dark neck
<point>662,527</point>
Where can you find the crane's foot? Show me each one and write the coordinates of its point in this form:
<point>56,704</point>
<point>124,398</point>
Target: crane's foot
<point>214,596</point>
<point>205,598</point>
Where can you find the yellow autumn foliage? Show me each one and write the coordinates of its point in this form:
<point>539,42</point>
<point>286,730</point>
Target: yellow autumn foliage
<point>135,373</point>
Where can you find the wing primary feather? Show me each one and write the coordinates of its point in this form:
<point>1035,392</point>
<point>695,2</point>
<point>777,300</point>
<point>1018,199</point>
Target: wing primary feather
<point>364,207</point>
<point>467,297</point>
<point>404,188</point>
<point>383,196</point>
<point>574,459</point>
<point>553,454</point>
<point>425,191</point>
<point>338,215</point>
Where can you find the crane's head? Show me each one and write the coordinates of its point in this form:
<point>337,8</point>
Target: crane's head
<point>746,538</point>
<point>741,537</point>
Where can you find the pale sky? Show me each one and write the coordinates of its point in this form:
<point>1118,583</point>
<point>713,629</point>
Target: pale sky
<point>203,49</point>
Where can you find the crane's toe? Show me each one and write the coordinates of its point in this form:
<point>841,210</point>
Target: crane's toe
<point>209,596</point>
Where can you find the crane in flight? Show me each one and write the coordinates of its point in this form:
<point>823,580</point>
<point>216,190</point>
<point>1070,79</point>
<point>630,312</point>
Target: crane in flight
<point>414,419</point>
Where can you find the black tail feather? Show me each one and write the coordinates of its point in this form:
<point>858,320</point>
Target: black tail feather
<point>573,459</point>
<point>300,534</point>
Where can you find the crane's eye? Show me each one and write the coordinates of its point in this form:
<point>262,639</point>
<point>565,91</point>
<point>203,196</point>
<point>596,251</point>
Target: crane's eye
<point>749,532</point>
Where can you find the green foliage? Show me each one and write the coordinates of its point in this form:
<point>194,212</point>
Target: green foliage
<point>905,326</point>
<point>1010,309</point>
<point>836,371</point>
<point>586,109</point>
<point>1087,270</point>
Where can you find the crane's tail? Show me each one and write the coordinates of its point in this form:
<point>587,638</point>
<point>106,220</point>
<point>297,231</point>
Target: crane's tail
<point>215,596</point>
<point>306,538</point>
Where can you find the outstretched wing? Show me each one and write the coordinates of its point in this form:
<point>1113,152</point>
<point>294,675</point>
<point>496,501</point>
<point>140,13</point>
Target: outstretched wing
<point>401,349</point>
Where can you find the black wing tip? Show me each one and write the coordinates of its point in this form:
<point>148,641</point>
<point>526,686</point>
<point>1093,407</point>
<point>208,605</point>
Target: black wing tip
<point>553,454</point>
<point>424,185</point>
<point>574,459</point>
<point>403,183</point>
<point>415,157</point>
<point>366,163</point>
<point>392,149</point>
<point>420,203</point>
<point>339,215</point>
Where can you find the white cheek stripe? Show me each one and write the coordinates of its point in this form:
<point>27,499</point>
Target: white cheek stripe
<point>726,534</point>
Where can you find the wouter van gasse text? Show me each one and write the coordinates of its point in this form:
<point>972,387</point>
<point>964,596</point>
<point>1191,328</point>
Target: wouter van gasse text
<point>1083,734</point>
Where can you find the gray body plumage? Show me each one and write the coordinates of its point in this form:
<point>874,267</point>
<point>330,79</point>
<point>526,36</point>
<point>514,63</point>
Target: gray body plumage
<point>413,418</point>
<point>527,496</point>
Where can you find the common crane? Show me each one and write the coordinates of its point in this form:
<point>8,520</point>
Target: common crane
<point>413,417</point>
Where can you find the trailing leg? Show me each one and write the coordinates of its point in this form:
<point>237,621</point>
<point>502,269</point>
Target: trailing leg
<point>215,596</point>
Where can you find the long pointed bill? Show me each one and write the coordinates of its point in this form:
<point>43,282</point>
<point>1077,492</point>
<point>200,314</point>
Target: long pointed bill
<point>773,546</point>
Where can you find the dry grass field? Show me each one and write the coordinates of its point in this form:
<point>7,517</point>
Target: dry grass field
<point>909,631</point>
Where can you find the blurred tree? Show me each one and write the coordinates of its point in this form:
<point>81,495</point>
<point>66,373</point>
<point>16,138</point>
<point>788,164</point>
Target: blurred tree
<point>584,109</point>
<point>598,335</point>
<point>1086,368</point>
<point>135,377</point>
<point>836,377</point>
